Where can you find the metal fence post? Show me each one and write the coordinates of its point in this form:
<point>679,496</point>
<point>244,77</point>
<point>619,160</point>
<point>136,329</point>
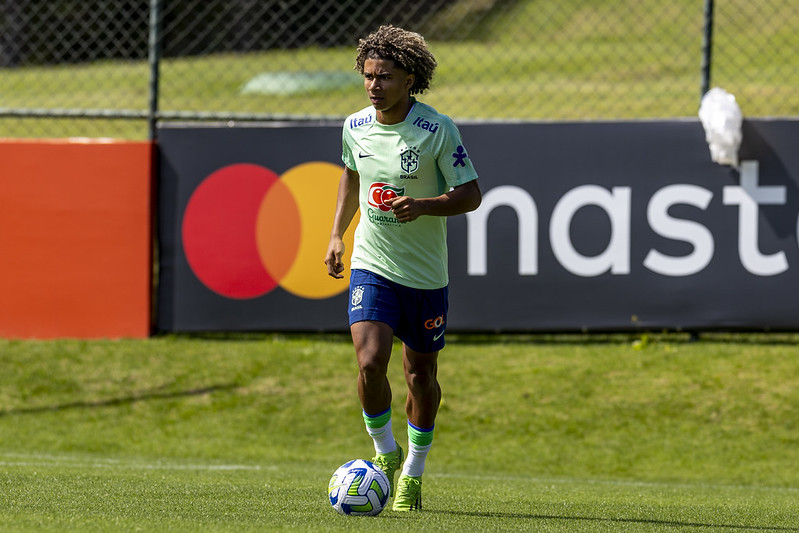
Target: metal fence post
<point>154,59</point>
<point>707,47</point>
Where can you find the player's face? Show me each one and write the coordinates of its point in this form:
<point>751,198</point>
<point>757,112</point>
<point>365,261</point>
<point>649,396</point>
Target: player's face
<point>388,87</point>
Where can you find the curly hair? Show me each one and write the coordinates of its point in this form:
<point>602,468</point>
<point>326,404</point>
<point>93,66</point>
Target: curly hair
<point>407,49</point>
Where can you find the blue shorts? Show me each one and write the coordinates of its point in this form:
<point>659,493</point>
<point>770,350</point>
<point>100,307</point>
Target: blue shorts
<point>417,316</point>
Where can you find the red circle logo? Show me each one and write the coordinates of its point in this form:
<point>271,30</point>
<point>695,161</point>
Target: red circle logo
<point>247,230</point>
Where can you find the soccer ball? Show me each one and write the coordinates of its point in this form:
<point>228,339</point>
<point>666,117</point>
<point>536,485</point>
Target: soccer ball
<point>358,488</point>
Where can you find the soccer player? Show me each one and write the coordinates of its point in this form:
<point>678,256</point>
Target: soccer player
<point>407,170</point>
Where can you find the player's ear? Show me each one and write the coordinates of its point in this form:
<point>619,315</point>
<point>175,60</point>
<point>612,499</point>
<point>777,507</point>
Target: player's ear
<point>409,81</point>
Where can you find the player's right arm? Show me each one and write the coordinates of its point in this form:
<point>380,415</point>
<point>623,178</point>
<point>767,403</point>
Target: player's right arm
<point>346,207</point>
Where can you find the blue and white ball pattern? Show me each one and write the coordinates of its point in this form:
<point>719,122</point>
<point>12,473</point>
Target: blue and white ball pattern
<point>358,488</point>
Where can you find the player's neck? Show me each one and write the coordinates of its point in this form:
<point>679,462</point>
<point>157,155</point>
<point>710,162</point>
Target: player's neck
<point>397,113</point>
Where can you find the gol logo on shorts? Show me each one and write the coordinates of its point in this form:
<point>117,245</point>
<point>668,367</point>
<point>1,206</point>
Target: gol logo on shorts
<point>247,230</point>
<point>434,323</point>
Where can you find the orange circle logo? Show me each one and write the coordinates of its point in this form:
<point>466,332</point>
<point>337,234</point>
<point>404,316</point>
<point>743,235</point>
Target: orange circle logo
<point>247,230</point>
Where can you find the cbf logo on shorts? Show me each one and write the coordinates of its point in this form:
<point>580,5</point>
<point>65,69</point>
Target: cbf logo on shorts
<point>380,193</point>
<point>357,298</point>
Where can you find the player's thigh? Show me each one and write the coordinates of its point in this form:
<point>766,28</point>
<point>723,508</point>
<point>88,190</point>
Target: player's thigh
<point>418,365</point>
<point>373,341</point>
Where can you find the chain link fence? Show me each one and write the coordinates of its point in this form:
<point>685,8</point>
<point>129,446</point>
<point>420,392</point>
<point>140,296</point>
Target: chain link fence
<point>112,68</point>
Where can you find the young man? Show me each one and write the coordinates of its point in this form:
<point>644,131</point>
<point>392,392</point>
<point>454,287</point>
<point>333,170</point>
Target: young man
<point>406,169</point>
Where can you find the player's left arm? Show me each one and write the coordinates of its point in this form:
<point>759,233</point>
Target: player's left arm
<point>461,199</point>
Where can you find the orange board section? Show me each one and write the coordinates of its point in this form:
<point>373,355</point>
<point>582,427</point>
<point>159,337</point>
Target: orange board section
<point>75,239</point>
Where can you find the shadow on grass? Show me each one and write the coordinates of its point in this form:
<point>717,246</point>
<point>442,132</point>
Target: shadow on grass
<point>110,402</point>
<point>622,338</point>
<point>642,521</point>
<point>520,337</point>
<point>565,339</point>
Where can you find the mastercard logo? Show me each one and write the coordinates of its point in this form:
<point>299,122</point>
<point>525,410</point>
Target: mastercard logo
<point>247,230</point>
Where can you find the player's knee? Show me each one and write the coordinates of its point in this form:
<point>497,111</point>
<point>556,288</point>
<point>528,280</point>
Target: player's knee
<point>372,368</point>
<point>421,380</point>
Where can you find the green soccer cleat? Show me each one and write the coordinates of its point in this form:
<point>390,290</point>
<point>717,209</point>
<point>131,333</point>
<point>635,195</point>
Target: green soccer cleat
<point>409,494</point>
<point>388,463</point>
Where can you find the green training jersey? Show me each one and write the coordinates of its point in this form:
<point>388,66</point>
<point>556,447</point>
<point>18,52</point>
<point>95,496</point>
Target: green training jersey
<point>421,157</point>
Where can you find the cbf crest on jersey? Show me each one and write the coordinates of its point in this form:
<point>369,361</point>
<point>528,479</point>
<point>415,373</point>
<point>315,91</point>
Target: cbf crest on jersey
<point>409,160</point>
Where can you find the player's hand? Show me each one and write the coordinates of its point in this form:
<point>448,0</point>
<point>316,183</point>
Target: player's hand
<point>335,251</point>
<point>405,208</point>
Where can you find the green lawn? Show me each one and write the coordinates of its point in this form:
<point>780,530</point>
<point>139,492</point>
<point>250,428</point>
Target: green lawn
<point>538,433</point>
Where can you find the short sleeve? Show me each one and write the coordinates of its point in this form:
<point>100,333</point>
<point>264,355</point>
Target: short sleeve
<point>453,159</point>
<point>346,149</point>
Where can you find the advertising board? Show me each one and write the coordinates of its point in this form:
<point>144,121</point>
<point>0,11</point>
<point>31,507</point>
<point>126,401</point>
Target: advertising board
<point>583,226</point>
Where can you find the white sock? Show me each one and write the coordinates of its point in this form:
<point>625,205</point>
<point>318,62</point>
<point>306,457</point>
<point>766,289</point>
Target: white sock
<point>383,438</point>
<point>419,443</point>
<point>414,464</point>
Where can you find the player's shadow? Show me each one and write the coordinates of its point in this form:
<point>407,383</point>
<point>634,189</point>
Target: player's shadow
<point>123,400</point>
<point>642,521</point>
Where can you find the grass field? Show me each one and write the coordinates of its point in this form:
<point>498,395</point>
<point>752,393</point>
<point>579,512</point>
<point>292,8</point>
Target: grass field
<point>539,433</point>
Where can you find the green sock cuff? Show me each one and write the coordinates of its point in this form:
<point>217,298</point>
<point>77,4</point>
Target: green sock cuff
<point>420,436</point>
<point>379,420</point>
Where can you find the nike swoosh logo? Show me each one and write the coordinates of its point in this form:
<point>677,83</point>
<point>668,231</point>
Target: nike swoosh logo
<point>436,337</point>
<point>362,155</point>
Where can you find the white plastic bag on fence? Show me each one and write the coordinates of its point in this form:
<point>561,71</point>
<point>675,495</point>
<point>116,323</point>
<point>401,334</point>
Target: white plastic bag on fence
<point>722,119</point>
